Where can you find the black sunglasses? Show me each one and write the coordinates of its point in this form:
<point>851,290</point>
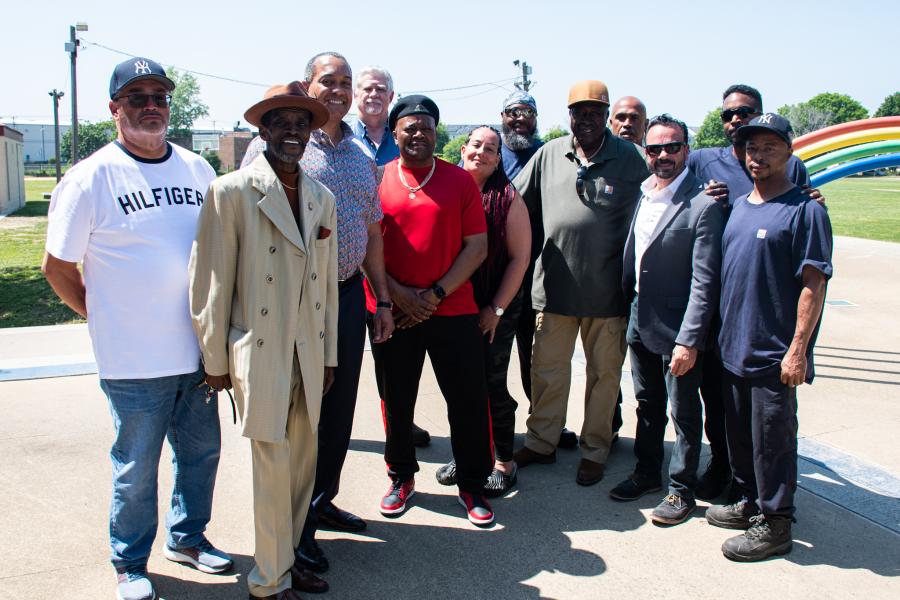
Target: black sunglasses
<point>579,180</point>
<point>140,100</point>
<point>517,112</point>
<point>742,111</point>
<point>670,148</point>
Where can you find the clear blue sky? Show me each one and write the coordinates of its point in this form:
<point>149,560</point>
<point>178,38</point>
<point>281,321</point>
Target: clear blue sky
<point>676,56</point>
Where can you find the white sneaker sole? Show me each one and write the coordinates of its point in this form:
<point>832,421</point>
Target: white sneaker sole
<point>397,511</point>
<point>473,520</point>
<point>176,556</point>
<point>121,597</point>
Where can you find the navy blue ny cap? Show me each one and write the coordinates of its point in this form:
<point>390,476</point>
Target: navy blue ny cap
<point>772,122</point>
<point>137,68</point>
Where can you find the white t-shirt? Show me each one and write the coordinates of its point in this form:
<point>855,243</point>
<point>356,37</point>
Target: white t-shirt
<point>132,221</point>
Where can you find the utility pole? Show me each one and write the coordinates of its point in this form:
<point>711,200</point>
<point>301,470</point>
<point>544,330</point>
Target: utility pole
<point>72,48</point>
<point>56,96</point>
<point>526,83</point>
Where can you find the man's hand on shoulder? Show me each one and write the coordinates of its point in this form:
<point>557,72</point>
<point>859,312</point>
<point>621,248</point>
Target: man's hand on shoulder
<point>718,191</point>
<point>813,193</point>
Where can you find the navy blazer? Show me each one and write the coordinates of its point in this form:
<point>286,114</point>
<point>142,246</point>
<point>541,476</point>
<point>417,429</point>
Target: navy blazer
<point>680,272</point>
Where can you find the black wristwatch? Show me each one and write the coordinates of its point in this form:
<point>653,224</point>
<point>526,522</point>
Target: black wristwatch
<point>387,305</point>
<point>438,291</point>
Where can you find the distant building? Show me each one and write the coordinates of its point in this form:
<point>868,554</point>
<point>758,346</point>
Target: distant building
<point>206,140</point>
<point>232,147</point>
<point>38,140</point>
<point>12,170</point>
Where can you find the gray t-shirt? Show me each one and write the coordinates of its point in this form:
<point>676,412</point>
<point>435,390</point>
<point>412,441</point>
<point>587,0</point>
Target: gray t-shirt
<point>579,257</point>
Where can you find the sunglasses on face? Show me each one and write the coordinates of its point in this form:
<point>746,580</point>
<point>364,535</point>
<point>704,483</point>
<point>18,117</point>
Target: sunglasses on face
<point>670,148</point>
<point>515,113</point>
<point>741,111</point>
<point>140,100</point>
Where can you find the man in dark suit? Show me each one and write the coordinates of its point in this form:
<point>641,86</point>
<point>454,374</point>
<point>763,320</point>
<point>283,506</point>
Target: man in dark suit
<point>671,271</point>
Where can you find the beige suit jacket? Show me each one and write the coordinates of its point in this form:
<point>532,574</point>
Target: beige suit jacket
<point>262,289</point>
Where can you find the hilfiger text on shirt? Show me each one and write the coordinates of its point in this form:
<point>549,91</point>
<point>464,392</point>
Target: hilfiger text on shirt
<point>132,202</point>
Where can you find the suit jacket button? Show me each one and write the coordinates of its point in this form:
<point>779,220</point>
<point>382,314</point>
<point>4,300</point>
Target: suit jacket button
<point>321,335</point>
<point>269,278</point>
<point>314,277</point>
<point>271,249</point>
<point>264,311</point>
<point>259,343</point>
<point>318,305</point>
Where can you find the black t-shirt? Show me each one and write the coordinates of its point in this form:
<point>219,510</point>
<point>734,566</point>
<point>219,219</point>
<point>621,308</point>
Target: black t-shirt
<point>764,250</point>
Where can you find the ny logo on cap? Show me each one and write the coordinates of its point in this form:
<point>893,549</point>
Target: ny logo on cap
<point>420,107</point>
<point>141,67</point>
<point>766,118</point>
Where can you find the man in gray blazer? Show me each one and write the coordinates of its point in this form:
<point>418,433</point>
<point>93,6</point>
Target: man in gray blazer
<point>672,260</point>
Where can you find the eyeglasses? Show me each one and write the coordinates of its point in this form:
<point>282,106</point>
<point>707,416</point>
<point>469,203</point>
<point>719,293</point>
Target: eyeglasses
<point>670,148</point>
<point>579,180</point>
<point>517,112</point>
<point>140,100</point>
<point>742,111</point>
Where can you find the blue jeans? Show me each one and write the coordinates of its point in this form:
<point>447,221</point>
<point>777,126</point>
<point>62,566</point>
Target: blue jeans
<point>144,412</point>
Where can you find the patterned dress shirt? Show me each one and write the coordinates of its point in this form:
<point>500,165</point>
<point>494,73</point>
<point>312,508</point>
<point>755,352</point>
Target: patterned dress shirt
<point>351,175</point>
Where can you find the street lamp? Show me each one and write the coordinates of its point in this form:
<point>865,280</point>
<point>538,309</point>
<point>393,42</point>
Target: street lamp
<point>56,96</point>
<point>72,48</point>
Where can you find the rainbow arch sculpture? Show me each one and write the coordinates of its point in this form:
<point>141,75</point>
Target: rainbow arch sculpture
<point>848,148</point>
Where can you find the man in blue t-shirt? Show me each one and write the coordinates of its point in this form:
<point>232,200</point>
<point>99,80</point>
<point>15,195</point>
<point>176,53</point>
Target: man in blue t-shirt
<point>728,178</point>
<point>776,259</point>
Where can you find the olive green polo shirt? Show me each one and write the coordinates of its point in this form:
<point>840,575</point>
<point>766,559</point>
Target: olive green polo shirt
<point>578,269</point>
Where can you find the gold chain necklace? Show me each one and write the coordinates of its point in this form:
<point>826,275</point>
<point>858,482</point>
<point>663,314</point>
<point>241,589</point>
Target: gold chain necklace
<point>413,190</point>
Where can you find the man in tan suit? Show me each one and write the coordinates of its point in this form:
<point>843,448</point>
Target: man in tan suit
<point>264,305</point>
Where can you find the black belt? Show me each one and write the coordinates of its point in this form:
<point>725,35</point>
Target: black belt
<point>350,280</point>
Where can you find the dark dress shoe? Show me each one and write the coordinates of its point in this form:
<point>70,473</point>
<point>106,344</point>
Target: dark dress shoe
<point>310,555</point>
<point>567,439</point>
<point>525,456</point>
<point>421,438</point>
<point>304,580</point>
<point>713,482</point>
<point>634,487</point>
<point>332,517</point>
<point>589,472</point>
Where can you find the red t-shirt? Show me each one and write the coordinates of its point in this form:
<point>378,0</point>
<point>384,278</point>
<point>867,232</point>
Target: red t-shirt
<point>423,236</point>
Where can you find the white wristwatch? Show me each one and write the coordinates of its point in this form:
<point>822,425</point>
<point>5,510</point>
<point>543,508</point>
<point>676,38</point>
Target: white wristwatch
<point>498,311</point>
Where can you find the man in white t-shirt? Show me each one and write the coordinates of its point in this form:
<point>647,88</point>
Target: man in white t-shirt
<point>128,213</point>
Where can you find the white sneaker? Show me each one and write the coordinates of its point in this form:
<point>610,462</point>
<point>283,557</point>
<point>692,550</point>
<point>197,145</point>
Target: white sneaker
<point>203,557</point>
<point>134,585</point>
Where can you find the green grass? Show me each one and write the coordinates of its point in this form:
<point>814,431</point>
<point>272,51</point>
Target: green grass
<point>26,299</point>
<point>865,207</point>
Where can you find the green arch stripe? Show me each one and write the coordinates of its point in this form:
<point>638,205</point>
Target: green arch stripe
<point>853,152</point>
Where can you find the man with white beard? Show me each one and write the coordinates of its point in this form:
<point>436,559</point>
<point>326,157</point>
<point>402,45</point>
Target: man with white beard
<point>374,93</point>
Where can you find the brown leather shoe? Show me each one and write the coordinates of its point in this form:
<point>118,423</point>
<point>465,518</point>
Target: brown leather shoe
<point>287,594</point>
<point>525,456</point>
<point>304,580</point>
<point>589,472</point>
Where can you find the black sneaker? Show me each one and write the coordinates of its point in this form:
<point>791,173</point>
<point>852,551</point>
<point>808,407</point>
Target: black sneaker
<point>499,482</point>
<point>446,475</point>
<point>768,536</point>
<point>634,487</point>
<point>421,438</point>
<point>714,481</point>
<point>732,516</point>
<point>674,509</point>
<point>567,440</point>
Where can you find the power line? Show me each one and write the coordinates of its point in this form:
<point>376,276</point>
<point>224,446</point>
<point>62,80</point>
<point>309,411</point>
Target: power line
<point>463,87</point>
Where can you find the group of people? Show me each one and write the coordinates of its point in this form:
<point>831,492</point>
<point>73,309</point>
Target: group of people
<point>709,265</point>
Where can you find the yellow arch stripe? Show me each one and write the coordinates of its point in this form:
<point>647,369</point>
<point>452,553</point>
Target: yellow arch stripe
<point>846,140</point>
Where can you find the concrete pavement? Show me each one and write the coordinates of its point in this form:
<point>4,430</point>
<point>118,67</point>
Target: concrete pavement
<point>553,538</point>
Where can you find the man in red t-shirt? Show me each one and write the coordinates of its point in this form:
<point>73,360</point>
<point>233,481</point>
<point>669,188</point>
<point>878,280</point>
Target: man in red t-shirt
<point>435,237</point>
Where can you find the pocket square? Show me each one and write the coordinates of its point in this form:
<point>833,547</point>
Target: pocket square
<point>324,232</point>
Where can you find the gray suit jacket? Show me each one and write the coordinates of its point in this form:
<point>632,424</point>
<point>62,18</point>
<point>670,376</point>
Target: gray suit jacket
<point>680,271</point>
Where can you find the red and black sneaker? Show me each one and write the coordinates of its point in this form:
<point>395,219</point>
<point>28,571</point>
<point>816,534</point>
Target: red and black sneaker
<point>394,501</point>
<point>477,508</point>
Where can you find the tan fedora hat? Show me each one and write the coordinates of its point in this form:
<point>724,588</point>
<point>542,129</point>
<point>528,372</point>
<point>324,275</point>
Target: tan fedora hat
<point>589,90</point>
<point>289,95</point>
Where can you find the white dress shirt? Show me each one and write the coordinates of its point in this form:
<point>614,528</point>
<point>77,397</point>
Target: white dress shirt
<point>650,210</point>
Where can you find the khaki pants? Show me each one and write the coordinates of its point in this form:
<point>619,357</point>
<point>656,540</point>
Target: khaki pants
<point>283,476</point>
<point>551,375</point>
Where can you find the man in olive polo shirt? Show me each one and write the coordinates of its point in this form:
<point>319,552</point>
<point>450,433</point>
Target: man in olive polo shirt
<point>584,188</point>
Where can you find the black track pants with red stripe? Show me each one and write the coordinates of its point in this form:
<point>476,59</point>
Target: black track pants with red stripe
<point>455,347</point>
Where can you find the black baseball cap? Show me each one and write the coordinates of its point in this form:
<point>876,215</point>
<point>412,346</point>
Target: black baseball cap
<point>772,122</point>
<point>134,69</point>
<point>416,104</point>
